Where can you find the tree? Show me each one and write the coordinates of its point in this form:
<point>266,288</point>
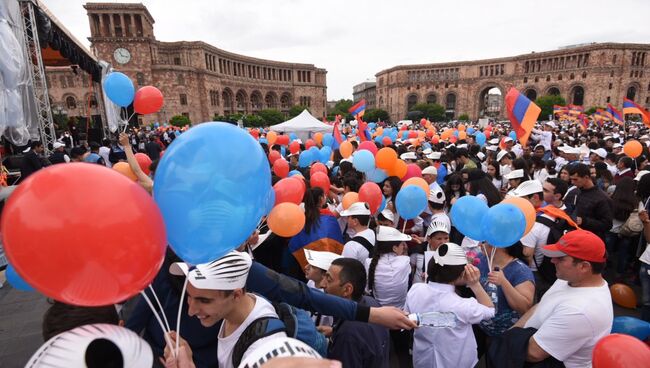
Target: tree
<point>463,117</point>
<point>376,115</point>
<point>254,121</point>
<point>296,110</point>
<point>546,104</point>
<point>180,121</point>
<point>593,109</point>
<point>271,116</point>
<point>431,111</point>
<point>341,108</point>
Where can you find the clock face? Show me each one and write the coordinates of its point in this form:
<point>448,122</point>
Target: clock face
<point>122,55</point>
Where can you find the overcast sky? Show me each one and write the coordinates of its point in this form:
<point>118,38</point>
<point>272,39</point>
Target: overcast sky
<point>355,39</point>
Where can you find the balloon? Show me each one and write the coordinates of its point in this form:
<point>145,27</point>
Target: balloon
<point>382,206</point>
<point>263,140</point>
<point>289,190</point>
<point>435,139</point>
<point>301,179</point>
<point>466,215</point>
<point>631,326</point>
<point>363,160</point>
<point>385,158</point>
<point>461,127</point>
<point>320,180</point>
<point>328,140</point>
<point>85,262</point>
<point>124,169</point>
<point>623,295</point>
<point>282,140</point>
<point>386,141</point>
<point>480,139</point>
<point>16,281</point>
<point>503,225</point>
<point>376,175</point>
<point>214,204</point>
<point>309,144</point>
<point>281,168</point>
<point>294,147</point>
<point>417,182</point>
<point>144,162</point>
<point>412,171</point>
<point>513,135</point>
<point>368,145</point>
<point>633,149</point>
<point>317,167</point>
<point>254,133</point>
<point>346,149</point>
<point>148,100</point>
<point>371,194</point>
<point>324,154</point>
<point>410,202</point>
<point>286,219</point>
<point>318,137</point>
<point>470,130</point>
<point>453,139</point>
<point>349,198</point>
<point>305,159</point>
<point>293,136</point>
<point>294,172</point>
<point>620,351</point>
<point>270,201</point>
<point>526,208</point>
<point>274,156</point>
<point>399,169</point>
<point>119,89</point>
<point>271,137</point>
<point>462,135</point>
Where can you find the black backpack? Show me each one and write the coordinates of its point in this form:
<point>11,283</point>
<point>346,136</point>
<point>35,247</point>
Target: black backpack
<point>557,228</point>
<point>366,244</point>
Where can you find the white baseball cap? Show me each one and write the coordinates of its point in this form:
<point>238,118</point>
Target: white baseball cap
<point>436,195</point>
<point>617,145</point>
<point>570,150</point>
<point>322,260</point>
<point>501,155</point>
<point>277,348</point>
<point>437,226</point>
<point>229,272</point>
<point>551,124</point>
<point>494,141</point>
<point>514,174</point>
<point>641,174</point>
<point>388,215</point>
<point>527,188</point>
<point>450,254</point>
<point>357,209</point>
<point>480,156</point>
<point>507,139</point>
<point>434,156</point>
<point>427,151</point>
<point>408,156</point>
<point>431,170</point>
<point>600,152</point>
<point>492,148</point>
<point>387,233</point>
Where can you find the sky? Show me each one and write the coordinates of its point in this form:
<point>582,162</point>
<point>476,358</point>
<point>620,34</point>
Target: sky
<point>355,39</point>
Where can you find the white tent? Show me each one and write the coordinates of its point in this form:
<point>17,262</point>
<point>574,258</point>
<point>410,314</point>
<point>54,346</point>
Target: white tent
<point>302,126</point>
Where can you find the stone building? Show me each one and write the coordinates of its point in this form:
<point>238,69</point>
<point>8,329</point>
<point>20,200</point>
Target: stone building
<point>589,75</point>
<point>196,79</point>
<point>366,90</point>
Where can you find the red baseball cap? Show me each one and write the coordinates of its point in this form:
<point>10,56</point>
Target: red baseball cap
<point>580,244</point>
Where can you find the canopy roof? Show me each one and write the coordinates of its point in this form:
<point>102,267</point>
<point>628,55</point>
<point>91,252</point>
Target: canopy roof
<point>303,123</point>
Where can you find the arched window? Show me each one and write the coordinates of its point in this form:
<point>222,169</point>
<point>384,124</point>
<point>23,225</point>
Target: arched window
<point>584,75</point>
<point>180,80</point>
<point>531,94</point>
<point>451,102</point>
<point>70,103</point>
<point>431,99</point>
<point>631,93</point>
<point>578,95</point>
<point>240,99</point>
<point>411,101</point>
<point>271,100</point>
<point>256,100</point>
<point>285,101</point>
<point>548,78</point>
<point>92,100</point>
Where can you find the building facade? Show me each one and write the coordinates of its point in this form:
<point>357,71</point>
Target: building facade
<point>366,90</point>
<point>196,79</point>
<point>588,75</point>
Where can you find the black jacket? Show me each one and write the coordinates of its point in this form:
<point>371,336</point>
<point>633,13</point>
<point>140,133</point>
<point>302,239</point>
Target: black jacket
<point>595,209</point>
<point>510,349</point>
<point>31,163</point>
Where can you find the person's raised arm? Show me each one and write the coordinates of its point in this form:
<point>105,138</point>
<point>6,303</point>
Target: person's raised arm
<point>144,180</point>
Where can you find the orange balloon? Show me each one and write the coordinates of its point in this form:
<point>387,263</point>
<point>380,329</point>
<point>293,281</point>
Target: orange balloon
<point>286,219</point>
<point>399,169</point>
<point>623,295</point>
<point>349,198</point>
<point>461,127</point>
<point>346,149</point>
<point>271,137</point>
<point>462,134</point>
<point>526,207</point>
<point>417,182</point>
<point>421,134</point>
<point>124,169</point>
<point>633,149</point>
<point>385,158</point>
<point>318,137</point>
<point>380,131</point>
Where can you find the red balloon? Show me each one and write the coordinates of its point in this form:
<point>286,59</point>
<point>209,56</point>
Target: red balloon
<point>147,100</point>
<point>273,156</point>
<point>281,168</point>
<point>386,141</point>
<point>144,162</point>
<point>318,179</point>
<point>310,143</point>
<point>368,145</point>
<point>403,127</point>
<point>282,140</point>
<point>413,134</point>
<point>453,139</point>
<point>69,257</point>
<point>289,190</point>
<point>255,133</point>
<point>371,194</point>
<point>294,147</point>
<point>317,167</point>
<point>618,350</point>
<point>412,171</point>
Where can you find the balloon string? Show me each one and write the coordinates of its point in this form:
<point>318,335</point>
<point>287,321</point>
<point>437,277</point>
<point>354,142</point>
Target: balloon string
<point>489,261</point>
<point>404,227</point>
<point>166,334</point>
<point>178,317</point>
<point>494,250</point>
<point>160,306</point>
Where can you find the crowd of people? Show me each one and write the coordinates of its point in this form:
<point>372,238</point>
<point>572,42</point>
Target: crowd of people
<point>386,298</point>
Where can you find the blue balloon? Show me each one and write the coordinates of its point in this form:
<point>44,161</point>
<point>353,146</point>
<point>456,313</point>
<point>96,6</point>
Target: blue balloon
<point>328,140</point>
<point>405,135</point>
<point>212,189</point>
<point>442,173</point>
<point>263,140</point>
<point>503,225</point>
<point>294,172</point>
<point>119,89</point>
<point>292,136</point>
<point>426,145</point>
<point>481,138</point>
<point>324,154</point>
<point>410,202</point>
<point>372,125</point>
<point>466,215</point>
<point>283,151</point>
<point>335,170</point>
<point>456,133</point>
<point>378,139</point>
<point>363,160</point>
<point>513,135</point>
<point>270,201</point>
<point>376,175</point>
<point>16,281</point>
<point>631,326</point>
<point>382,205</point>
<point>305,158</point>
<point>470,130</point>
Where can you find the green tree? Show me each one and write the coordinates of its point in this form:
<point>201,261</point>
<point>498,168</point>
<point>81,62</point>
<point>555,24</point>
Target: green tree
<point>431,111</point>
<point>546,104</point>
<point>341,108</point>
<point>593,109</point>
<point>376,115</point>
<point>463,117</point>
<point>296,110</point>
<point>271,116</point>
<point>180,121</point>
<point>254,121</point>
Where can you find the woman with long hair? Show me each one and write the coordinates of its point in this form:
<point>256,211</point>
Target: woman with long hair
<point>390,187</point>
<point>494,171</point>
<point>604,177</point>
<point>624,201</point>
<point>454,188</point>
<point>539,169</point>
<point>481,186</point>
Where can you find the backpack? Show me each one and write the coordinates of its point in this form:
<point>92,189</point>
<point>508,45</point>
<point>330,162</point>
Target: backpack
<point>296,323</point>
<point>366,244</point>
<point>632,226</point>
<point>557,228</point>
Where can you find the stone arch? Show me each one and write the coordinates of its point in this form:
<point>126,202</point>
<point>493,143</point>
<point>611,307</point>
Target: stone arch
<point>285,101</point>
<point>494,106</point>
<point>632,90</point>
<point>451,99</point>
<point>90,99</point>
<point>411,100</point>
<point>241,101</point>
<point>531,93</point>
<point>70,101</point>
<point>256,100</point>
<point>432,98</point>
<point>227,98</point>
<point>577,94</point>
<point>271,100</point>
<point>553,90</point>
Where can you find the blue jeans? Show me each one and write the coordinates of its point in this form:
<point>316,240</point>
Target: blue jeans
<point>644,277</point>
<point>620,245</point>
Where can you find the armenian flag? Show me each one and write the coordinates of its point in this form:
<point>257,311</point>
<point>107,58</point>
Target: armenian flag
<point>363,132</point>
<point>560,110</point>
<point>336,132</point>
<point>326,236</point>
<point>357,110</point>
<point>616,115</point>
<point>631,107</point>
<point>584,121</point>
<point>576,109</point>
<point>522,113</point>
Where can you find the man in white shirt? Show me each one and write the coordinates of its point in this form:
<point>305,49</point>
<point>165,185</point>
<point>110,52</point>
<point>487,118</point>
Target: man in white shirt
<point>576,311</point>
<point>363,243</point>
<point>545,137</point>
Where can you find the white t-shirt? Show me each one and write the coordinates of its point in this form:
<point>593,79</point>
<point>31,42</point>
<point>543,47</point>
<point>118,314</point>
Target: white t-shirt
<point>105,152</point>
<point>226,344</point>
<point>544,137</point>
<point>571,320</point>
<point>353,249</point>
<point>536,238</point>
<point>391,279</point>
